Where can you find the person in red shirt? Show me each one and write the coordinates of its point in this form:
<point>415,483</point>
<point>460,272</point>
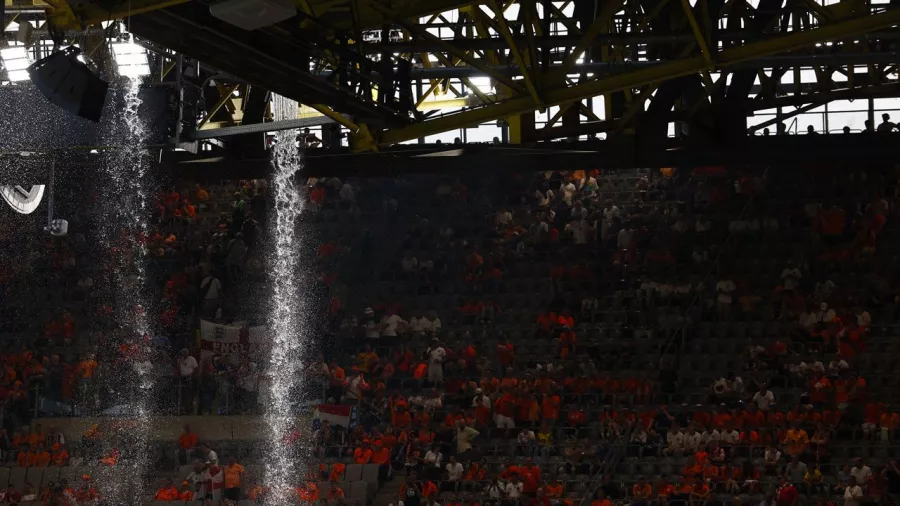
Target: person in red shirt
<point>786,494</point>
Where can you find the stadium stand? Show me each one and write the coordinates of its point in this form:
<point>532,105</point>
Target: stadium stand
<point>701,336</point>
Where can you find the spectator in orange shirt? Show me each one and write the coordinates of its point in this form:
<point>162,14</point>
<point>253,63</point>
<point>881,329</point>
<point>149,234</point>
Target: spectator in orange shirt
<point>795,440</point>
<point>186,442</point>
<point>381,455</point>
<point>41,456</point>
<point>167,493</point>
<point>362,454</point>
<point>555,489</point>
<point>700,493</point>
<point>25,458</point>
<point>37,436</point>
<point>337,472</point>
<point>641,493</point>
<point>601,499</point>
<point>233,472</point>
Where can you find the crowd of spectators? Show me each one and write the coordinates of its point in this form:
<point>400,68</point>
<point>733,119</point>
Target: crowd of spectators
<point>590,400</point>
<point>542,338</point>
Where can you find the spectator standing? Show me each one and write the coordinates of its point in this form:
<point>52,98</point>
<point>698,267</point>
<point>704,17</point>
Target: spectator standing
<point>436,354</point>
<point>187,374</point>
<point>233,472</point>
<point>210,291</point>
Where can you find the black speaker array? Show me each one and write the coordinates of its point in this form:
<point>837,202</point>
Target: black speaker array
<point>70,84</point>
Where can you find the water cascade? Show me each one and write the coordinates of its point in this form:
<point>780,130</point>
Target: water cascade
<point>124,214</point>
<point>283,470</point>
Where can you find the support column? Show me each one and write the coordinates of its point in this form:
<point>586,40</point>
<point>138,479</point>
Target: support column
<point>521,128</point>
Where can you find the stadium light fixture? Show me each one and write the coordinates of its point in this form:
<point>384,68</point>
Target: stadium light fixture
<point>16,62</point>
<point>130,58</point>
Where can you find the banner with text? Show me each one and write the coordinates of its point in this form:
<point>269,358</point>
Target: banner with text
<point>219,339</point>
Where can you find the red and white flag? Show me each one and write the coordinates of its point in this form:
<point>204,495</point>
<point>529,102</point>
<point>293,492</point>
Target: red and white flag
<point>333,413</point>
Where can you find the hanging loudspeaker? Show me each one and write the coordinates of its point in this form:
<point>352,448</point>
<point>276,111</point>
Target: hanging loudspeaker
<point>70,84</point>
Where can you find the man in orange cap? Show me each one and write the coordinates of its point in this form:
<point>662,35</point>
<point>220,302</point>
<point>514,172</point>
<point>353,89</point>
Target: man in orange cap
<point>186,494</point>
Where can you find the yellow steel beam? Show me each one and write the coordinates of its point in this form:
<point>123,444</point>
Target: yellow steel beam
<point>434,84</point>
<point>507,35</point>
<point>698,33</point>
<point>89,13</point>
<point>649,75</point>
<point>225,96</point>
<point>167,68</point>
<point>228,95</point>
<point>339,118</point>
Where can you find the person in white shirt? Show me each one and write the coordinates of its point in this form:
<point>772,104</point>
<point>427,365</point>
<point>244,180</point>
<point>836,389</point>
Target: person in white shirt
<point>485,400</point>
<point>861,472</point>
<point>392,325</point>
<point>455,470</point>
<point>790,277</point>
<point>808,320</point>
<point>543,198</point>
<point>710,436</point>
<point>495,490</point>
<point>700,255</point>
<point>211,289</point>
<point>610,211</point>
<point>702,225</point>
<point>580,230</point>
<point>853,494</point>
<point>436,356</point>
<point>691,439</point>
<point>419,325</point>
<point>434,321</point>
<point>730,436</point>
<point>724,289</point>
<point>409,263</point>
<point>514,488</point>
<point>764,399</point>
<point>567,190</point>
<point>674,441</point>
<point>433,457</point>
<point>187,364</point>
<point>737,227</point>
<point>579,212</point>
<point>863,318</point>
<point>812,210</point>
<point>187,370</point>
<point>837,365</point>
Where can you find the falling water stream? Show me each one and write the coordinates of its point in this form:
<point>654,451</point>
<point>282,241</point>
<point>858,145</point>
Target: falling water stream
<point>283,469</point>
<point>124,217</point>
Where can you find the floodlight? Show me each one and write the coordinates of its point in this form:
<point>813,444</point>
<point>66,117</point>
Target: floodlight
<point>131,59</point>
<point>16,62</point>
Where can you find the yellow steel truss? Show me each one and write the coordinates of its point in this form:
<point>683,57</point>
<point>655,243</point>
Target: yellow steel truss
<point>644,76</point>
